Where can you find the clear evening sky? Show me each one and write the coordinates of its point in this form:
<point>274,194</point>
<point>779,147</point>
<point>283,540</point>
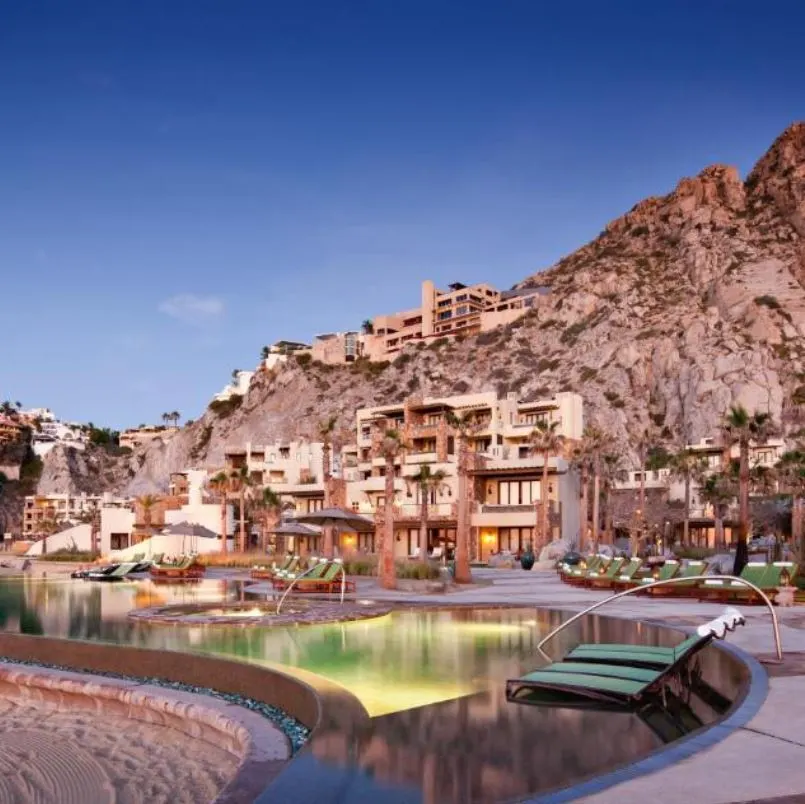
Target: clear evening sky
<point>184,182</point>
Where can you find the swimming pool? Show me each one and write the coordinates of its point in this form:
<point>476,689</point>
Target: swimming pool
<point>432,681</point>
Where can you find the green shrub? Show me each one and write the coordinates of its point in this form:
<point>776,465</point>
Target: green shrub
<point>694,553</point>
<point>69,555</point>
<point>767,301</point>
<point>401,360</point>
<point>225,407</point>
<point>303,360</point>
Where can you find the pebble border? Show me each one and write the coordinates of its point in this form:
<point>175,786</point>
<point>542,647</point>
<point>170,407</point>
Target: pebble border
<point>297,733</point>
<point>315,613</point>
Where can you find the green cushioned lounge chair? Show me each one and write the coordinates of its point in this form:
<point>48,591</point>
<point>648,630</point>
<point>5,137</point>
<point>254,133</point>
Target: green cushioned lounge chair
<point>614,674</point>
<point>577,573</point>
<point>604,575</point>
<point>667,571</point>
<point>767,577</point>
<point>316,572</point>
<point>116,574</point>
<point>717,589</point>
<point>637,655</point>
<point>626,577</point>
<point>694,570</point>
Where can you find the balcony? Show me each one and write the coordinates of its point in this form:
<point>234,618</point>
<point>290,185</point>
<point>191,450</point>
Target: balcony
<point>421,457</point>
<point>378,484</point>
<point>437,512</point>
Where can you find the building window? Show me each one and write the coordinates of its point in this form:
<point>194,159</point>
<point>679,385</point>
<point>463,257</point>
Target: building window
<point>463,310</point>
<point>515,540</point>
<point>518,492</point>
<point>446,314</point>
<point>119,541</point>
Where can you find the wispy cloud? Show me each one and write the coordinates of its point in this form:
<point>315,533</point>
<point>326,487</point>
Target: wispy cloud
<point>191,309</point>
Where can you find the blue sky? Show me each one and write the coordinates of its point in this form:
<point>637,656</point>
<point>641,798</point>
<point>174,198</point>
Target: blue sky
<point>183,182</point>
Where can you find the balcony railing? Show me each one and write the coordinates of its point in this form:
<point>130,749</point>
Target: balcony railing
<point>507,509</point>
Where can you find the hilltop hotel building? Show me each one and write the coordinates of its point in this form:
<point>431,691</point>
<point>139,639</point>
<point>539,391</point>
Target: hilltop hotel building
<point>459,310</point>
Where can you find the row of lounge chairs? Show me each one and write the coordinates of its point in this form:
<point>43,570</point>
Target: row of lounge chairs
<point>323,575</point>
<point>616,574</point>
<point>615,674</point>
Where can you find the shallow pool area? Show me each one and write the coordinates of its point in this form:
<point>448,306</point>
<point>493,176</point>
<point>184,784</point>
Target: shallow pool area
<point>431,679</point>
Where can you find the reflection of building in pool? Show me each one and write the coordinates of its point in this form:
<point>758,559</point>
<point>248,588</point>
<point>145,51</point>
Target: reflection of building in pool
<point>504,475</point>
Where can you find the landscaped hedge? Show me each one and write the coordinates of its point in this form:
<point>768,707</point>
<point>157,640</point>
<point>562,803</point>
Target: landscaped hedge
<point>69,555</point>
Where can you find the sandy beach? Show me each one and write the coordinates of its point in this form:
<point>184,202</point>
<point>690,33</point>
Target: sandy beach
<point>77,757</point>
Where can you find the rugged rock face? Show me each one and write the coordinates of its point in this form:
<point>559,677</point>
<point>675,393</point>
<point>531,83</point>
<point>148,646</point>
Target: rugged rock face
<point>66,470</point>
<point>688,303</point>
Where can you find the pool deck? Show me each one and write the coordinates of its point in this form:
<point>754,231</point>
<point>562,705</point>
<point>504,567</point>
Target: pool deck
<point>761,761</point>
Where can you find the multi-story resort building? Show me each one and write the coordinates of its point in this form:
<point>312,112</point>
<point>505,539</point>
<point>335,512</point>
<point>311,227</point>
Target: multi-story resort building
<point>43,511</point>
<point>504,475</point>
<point>293,469</point>
<point>670,490</point>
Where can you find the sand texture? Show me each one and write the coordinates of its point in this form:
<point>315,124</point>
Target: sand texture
<point>80,757</point>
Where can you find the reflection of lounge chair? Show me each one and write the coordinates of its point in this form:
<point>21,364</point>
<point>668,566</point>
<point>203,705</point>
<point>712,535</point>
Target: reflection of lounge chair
<point>614,674</point>
<point>116,574</point>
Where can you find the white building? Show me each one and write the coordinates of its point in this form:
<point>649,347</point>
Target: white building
<point>48,431</point>
<point>238,387</point>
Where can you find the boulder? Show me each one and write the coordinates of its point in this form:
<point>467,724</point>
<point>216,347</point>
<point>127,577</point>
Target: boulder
<point>554,551</point>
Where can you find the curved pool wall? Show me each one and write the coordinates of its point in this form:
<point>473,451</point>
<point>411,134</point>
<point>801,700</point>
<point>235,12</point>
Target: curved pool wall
<point>442,730</point>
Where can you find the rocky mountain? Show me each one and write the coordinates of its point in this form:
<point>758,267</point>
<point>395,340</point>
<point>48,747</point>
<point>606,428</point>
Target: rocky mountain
<point>686,304</point>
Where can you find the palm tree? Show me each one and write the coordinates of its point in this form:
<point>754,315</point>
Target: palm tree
<point>220,485</point>
<point>264,353</point>
<point>611,469</point>
<point>146,503</point>
<point>791,471</point>
<point>426,480</point>
<point>175,416</point>
<point>546,441</point>
<point>368,327</point>
<point>269,506</point>
<point>718,490</point>
<point>586,459</point>
<point>463,426</point>
<point>326,429</point>
<point>240,481</point>
<point>390,446</point>
<point>687,466</point>
<point>742,428</point>
<point>165,418</point>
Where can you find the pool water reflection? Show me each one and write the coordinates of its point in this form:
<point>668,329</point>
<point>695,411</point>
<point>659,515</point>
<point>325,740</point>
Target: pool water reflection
<point>432,681</point>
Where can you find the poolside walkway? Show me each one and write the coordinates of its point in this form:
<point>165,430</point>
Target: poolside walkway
<point>759,762</point>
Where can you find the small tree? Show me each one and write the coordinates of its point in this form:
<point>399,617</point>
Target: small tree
<point>390,446</point>
<point>264,353</point>
<point>718,490</point>
<point>426,481</point>
<point>687,466</point>
<point>546,441</point>
<point>791,472</point>
<point>368,327</point>
<point>220,485</point>
<point>742,429</point>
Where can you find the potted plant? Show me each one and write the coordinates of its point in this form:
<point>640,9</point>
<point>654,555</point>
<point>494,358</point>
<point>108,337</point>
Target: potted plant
<point>528,558</point>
